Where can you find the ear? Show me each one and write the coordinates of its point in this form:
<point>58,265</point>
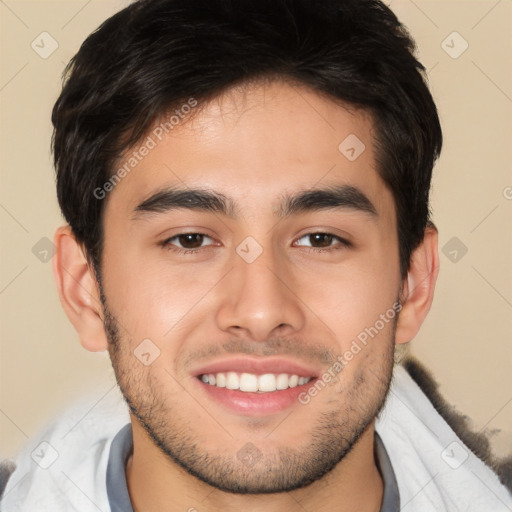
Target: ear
<point>78,290</point>
<point>418,287</point>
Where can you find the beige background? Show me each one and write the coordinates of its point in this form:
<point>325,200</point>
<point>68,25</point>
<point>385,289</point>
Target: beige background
<point>466,340</point>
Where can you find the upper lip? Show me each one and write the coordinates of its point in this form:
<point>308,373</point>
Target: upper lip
<point>257,366</point>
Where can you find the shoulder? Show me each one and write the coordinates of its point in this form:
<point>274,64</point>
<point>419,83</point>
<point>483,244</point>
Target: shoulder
<point>439,463</point>
<point>477,442</point>
<point>63,467</point>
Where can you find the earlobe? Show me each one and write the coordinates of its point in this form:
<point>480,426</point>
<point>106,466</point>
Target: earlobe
<point>78,290</point>
<point>418,289</point>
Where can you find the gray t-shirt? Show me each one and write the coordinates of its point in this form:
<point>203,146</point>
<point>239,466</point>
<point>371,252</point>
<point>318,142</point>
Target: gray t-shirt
<point>122,448</point>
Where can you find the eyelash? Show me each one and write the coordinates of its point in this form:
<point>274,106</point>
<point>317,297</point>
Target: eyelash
<point>343,243</point>
<point>169,246</point>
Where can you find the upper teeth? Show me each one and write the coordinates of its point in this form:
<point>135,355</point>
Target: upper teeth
<point>251,382</point>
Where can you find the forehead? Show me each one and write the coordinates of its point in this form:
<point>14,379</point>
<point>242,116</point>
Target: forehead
<point>255,143</point>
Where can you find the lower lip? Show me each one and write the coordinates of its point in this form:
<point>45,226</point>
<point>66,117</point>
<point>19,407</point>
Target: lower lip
<point>253,404</point>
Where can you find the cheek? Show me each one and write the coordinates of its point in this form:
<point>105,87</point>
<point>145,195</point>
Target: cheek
<point>151,297</point>
<point>351,298</point>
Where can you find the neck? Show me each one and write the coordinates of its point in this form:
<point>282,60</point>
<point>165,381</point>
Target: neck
<point>157,483</point>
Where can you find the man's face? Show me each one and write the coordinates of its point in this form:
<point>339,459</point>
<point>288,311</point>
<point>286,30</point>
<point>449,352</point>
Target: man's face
<point>268,287</point>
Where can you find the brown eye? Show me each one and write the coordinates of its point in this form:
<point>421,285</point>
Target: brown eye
<point>322,242</point>
<point>321,239</point>
<point>191,240</point>
<point>188,242</point>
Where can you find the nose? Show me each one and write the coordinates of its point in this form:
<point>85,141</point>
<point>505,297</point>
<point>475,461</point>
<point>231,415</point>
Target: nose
<point>260,299</point>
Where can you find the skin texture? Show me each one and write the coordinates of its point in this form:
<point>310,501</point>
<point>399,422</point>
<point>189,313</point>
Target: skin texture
<point>254,144</point>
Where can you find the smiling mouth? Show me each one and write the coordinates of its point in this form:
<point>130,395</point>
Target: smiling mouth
<point>254,383</point>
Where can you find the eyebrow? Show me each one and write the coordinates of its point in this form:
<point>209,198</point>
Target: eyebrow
<point>345,197</point>
<point>335,197</point>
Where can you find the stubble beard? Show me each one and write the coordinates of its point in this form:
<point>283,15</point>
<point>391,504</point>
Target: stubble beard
<point>334,434</point>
